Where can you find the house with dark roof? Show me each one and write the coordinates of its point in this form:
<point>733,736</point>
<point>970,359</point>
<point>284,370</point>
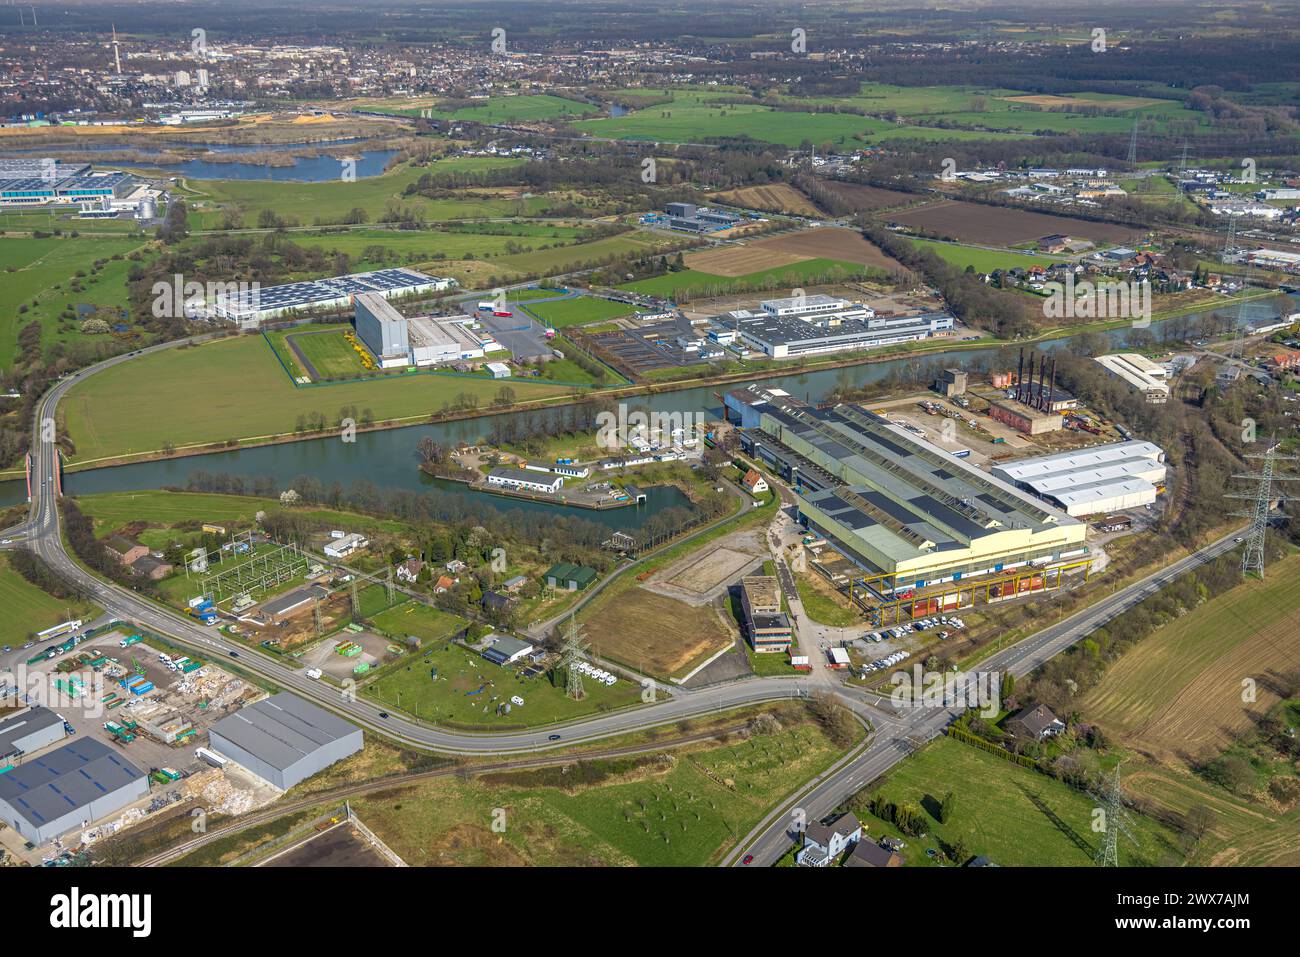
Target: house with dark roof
<point>502,604</point>
<point>868,854</point>
<point>154,569</point>
<point>1037,722</point>
<point>124,550</point>
<point>823,843</point>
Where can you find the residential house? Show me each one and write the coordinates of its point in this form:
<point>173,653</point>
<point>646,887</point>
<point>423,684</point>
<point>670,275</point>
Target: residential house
<point>409,570</point>
<point>512,585</point>
<point>501,604</point>
<point>124,550</point>
<point>443,584</point>
<point>455,566</point>
<point>867,854</point>
<point>1054,244</point>
<point>1037,722</point>
<point>824,843</point>
<point>753,482</point>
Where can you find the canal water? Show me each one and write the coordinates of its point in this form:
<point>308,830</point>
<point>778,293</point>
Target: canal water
<point>387,459</point>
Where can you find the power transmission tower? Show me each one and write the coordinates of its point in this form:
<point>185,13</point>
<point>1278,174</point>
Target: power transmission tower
<point>356,602</point>
<point>389,586</point>
<point>316,613</point>
<point>1239,330</point>
<point>1263,499</point>
<point>1133,145</point>
<point>1230,244</point>
<point>572,652</point>
<point>1182,163</point>
<point>1115,817</point>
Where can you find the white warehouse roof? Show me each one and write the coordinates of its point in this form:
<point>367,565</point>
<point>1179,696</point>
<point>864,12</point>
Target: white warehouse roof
<point>1104,478</point>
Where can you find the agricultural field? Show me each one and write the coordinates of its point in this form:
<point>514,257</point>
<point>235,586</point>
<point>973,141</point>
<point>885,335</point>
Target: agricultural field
<point>566,258</point>
<point>696,117</point>
<point>331,202</point>
<point>699,283</point>
<point>777,198</point>
<point>383,248</point>
<point>38,276</point>
<point>870,198</point>
<point>1177,694</point>
<point>523,108</point>
<point>451,685</point>
<point>1001,226</point>
<point>577,311</point>
<point>686,808</point>
<point>235,388</point>
<point>983,260</point>
<point>27,609</point>
<point>1013,815</point>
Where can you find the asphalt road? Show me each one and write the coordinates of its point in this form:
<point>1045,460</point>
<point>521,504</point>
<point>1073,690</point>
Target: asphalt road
<point>897,734</point>
<point>894,735</point>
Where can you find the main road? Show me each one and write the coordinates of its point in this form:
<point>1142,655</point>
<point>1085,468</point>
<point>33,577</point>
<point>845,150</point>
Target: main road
<point>894,734</point>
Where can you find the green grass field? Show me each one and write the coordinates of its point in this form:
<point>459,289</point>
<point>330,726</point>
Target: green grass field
<point>40,265</point>
<point>414,618</point>
<point>644,811</point>
<point>235,388</point>
<point>500,109</point>
<point>578,311</point>
<point>332,355</point>
<point>1014,816</point>
<point>468,689</point>
<point>27,609</point>
<point>565,258</point>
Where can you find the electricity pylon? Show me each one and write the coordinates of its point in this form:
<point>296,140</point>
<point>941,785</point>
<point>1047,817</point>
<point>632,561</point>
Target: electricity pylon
<point>572,652</point>
<point>1262,501</point>
<point>1115,818</point>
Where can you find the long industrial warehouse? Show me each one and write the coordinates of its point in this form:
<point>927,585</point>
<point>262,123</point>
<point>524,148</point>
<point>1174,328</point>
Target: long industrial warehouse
<point>1104,478</point>
<point>907,512</point>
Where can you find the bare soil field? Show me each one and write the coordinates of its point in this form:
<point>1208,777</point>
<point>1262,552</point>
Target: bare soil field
<point>1048,101</point>
<point>777,198</point>
<point>699,577</point>
<point>833,242</point>
<point>867,198</point>
<point>998,226</point>
<point>655,634</point>
<point>732,261</point>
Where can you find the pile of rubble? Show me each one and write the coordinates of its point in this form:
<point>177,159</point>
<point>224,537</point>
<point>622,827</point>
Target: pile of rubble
<point>218,794</point>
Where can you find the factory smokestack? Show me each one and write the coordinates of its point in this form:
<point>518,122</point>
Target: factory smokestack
<point>1051,391</point>
<point>1020,375</point>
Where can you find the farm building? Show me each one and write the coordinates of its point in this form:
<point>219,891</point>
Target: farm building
<point>1104,478</point>
<point>284,739</point>
<point>29,731</point>
<point>569,577</point>
<point>81,782</point>
<point>906,512</point>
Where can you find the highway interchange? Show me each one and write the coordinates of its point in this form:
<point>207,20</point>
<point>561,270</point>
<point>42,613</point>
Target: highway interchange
<point>894,733</point>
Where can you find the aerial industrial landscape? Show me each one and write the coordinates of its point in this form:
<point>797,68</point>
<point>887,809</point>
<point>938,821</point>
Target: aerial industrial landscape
<point>573,435</point>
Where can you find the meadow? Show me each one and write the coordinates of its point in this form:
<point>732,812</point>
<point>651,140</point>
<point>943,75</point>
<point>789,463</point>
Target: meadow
<point>578,311</point>
<point>682,809</point>
<point>692,280</point>
<point>43,271</point>
<point>235,388</point>
<point>1015,816</point>
<point>29,610</point>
